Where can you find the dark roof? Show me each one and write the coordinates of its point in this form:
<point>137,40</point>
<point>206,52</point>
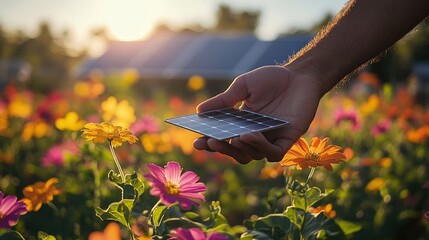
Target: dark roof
<point>180,55</point>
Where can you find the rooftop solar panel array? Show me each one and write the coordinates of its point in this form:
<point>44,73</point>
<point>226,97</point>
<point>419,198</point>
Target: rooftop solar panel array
<point>181,55</point>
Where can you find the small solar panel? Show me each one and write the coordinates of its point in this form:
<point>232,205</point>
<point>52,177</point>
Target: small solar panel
<point>222,124</point>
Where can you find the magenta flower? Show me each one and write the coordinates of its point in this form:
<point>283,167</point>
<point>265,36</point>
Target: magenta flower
<point>58,153</point>
<point>195,234</point>
<point>381,127</point>
<point>147,123</point>
<point>350,115</point>
<point>170,186</point>
<point>10,210</point>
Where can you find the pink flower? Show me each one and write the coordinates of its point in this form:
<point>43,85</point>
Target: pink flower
<point>147,123</point>
<point>58,153</point>
<point>381,127</point>
<point>350,115</point>
<point>195,234</point>
<point>170,186</point>
<point>10,210</point>
<point>426,215</point>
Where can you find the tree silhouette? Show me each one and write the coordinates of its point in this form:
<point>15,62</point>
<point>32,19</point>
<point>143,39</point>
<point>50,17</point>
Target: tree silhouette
<point>240,21</point>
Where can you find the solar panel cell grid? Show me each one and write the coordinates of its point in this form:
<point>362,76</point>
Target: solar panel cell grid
<point>226,123</point>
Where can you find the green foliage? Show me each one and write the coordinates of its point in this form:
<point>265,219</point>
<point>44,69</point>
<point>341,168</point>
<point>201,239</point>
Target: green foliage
<point>11,235</point>
<point>45,236</point>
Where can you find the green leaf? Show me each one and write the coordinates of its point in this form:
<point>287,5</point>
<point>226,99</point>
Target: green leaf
<point>134,181</point>
<point>312,196</point>
<point>254,235</point>
<point>296,187</point>
<point>348,227</point>
<point>115,178</point>
<point>117,211</point>
<point>182,222</point>
<point>275,225</point>
<point>45,236</point>
<point>12,235</point>
<point>226,228</point>
<point>313,224</point>
<point>131,188</point>
<point>295,215</point>
<point>299,202</point>
<point>158,214</point>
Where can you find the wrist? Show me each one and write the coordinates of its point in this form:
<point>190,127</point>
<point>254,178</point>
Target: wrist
<point>325,73</point>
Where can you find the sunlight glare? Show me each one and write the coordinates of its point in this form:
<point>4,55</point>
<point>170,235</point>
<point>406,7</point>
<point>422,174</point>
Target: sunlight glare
<point>128,20</point>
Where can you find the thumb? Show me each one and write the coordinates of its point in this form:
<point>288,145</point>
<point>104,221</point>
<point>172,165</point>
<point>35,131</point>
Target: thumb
<point>235,93</point>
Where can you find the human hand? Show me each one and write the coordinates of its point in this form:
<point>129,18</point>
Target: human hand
<point>272,90</point>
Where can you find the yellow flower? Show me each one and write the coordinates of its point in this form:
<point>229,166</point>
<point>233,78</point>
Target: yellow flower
<point>385,162</point>
<point>196,83</point>
<point>130,76</point>
<point>20,107</point>
<point>375,184</point>
<point>100,132</point>
<point>40,192</point>
<point>88,90</point>
<point>121,113</point>
<point>156,143</point>
<point>371,105</point>
<point>318,153</point>
<point>69,122</point>
<point>183,139</point>
<point>37,129</point>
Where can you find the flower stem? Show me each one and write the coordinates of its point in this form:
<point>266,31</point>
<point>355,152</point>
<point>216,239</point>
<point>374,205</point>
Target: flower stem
<point>97,184</point>
<point>50,204</point>
<point>310,175</point>
<point>117,162</point>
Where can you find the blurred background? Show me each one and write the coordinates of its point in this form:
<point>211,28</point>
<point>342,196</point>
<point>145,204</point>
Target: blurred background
<point>135,63</point>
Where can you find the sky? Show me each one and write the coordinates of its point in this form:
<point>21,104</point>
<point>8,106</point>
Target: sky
<point>131,20</point>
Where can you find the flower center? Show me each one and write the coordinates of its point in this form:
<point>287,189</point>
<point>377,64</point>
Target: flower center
<point>312,156</point>
<point>2,215</point>
<point>171,188</point>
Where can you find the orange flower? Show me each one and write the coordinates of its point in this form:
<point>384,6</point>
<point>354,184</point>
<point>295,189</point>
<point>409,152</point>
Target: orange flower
<point>419,135</point>
<point>39,193</point>
<point>318,153</point>
<point>271,171</point>
<point>326,209</point>
<point>111,232</point>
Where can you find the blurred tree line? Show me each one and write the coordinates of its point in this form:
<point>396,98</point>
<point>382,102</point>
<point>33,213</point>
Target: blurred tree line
<point>52,63</point>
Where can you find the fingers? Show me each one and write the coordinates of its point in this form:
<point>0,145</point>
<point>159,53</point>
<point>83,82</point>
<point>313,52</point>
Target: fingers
<point>236,93</point>
<point>227,149</point>
<point>249,150</point>
<point>274,152</point>
<point>201,144</point>
<point>213,145</point>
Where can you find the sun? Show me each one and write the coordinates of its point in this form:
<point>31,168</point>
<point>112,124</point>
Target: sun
<point>128,20</point>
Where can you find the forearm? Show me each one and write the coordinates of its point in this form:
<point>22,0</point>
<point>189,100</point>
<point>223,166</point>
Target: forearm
<point>360,32</point>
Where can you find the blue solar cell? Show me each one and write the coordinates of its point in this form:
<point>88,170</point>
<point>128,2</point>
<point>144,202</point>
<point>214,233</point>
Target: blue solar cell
<point>230,123</point>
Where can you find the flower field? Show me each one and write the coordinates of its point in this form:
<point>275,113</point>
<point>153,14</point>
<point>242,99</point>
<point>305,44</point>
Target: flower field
<point>95,160</point>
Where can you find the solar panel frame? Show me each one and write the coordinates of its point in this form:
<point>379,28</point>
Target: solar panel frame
<point>226,123</point>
